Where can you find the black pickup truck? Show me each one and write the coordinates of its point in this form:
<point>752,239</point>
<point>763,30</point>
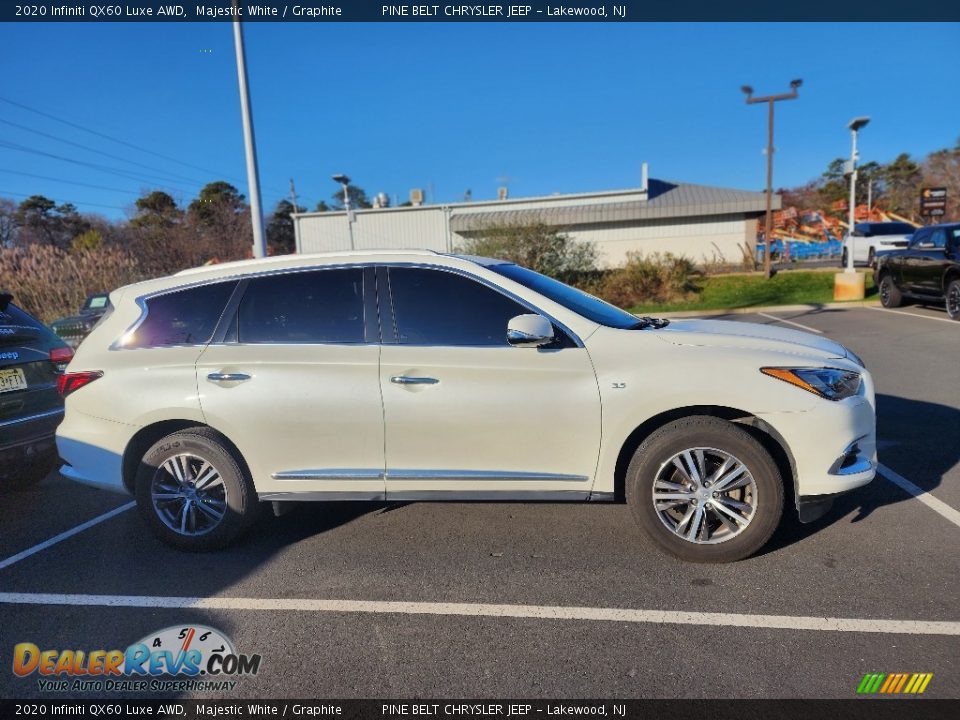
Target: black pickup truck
<point>927,270</point>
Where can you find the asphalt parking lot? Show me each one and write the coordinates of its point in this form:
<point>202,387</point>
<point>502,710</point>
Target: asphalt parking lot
<point>495,595</point>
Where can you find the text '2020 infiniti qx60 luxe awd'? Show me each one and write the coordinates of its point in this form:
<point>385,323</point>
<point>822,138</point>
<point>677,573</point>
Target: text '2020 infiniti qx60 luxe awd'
<point>405,376</point>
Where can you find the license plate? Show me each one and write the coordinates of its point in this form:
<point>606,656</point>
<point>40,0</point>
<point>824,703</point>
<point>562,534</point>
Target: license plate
<point>12,379</point>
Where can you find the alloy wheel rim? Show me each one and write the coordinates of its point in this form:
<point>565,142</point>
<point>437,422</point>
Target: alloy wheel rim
<point>188,495</point>
<point>885,292</point>
<point>705,496</point>
<point>953,301</point>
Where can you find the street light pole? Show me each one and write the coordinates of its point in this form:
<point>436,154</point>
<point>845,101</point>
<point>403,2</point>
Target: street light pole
<point>253,176</point>
<point>854,126</point>
<point>768,221</point>
<point>345,184</point>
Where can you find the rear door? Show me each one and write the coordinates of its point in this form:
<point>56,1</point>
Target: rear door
<point>293,382</point>
<point>932,264</point>
<point>913,260</point>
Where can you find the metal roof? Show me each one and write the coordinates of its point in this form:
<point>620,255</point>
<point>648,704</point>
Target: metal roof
<point>665,200</point>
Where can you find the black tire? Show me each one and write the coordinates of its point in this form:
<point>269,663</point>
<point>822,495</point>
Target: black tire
<point>30,473</point>
<point>953,299</point>
<point>238,498</point>
<point>890,296</point>
<point>843,258</point>
<point>652,458</point>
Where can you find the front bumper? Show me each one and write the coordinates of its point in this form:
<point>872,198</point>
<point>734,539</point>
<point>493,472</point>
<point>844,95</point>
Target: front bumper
<point>833,445</point>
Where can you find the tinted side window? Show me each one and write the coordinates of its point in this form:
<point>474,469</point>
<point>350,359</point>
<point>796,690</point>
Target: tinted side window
<point>184,317</point>
<point>321,306</point>
<point>919,237</point>
<point>939,238</point>
<point>434,307</point>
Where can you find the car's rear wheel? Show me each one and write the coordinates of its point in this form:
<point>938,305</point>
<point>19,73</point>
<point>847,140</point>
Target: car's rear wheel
<point>843,258</point>
<point>193,493</point>
<point>705,490</point>
<point>953,299</point>
<point>890,296</point>
<point>31,472</point>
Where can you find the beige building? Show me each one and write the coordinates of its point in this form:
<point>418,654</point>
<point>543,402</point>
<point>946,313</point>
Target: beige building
<point>698,221</point>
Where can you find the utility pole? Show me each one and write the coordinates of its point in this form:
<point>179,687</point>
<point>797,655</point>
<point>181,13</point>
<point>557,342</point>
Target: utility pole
<point>770,100</point>
<point>293,196</point>
<point>253,176</point>
<point>854,126</point>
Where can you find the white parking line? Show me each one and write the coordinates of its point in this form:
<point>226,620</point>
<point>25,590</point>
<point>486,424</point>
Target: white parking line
<point>540,612</point>
<point>64,535</point>
<point>917,315</point>
<point>920,494</point>
<point>790,322</point>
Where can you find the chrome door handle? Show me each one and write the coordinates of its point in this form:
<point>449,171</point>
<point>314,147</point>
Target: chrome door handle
<point>227,377</point>
<point>406,380</point>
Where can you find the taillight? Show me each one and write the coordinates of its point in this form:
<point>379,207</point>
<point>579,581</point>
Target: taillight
<point>61,357</point>
<point>69,382</point>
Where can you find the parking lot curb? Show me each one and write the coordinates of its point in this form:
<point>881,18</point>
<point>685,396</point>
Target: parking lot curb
<point>769,308</point>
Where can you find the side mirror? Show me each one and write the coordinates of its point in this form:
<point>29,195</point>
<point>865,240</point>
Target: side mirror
<point>529,331</point>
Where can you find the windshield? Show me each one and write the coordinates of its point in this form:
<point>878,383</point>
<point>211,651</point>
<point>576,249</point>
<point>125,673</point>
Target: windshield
<point>891,228</point>
<point>576,300</point>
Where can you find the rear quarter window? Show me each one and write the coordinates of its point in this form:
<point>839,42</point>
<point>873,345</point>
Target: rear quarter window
<point>182,317</point>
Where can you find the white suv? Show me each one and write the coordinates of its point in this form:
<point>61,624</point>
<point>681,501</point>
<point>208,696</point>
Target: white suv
<point>416,376</point>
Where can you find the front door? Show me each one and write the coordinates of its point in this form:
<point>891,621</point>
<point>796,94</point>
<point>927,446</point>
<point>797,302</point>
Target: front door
<point>469,416</point>
<point>294,384</point>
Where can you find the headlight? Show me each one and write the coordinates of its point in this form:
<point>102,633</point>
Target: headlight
<point>828,383</point>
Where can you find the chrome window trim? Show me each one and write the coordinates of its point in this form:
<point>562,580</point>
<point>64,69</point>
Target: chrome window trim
<point>28,418</point>
<point>141,300</point>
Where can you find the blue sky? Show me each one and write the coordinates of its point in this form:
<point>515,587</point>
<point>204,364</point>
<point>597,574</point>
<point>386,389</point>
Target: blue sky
<point>554,107</point>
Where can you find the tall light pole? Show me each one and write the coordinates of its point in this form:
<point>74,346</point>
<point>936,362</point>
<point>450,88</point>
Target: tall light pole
<point>854,125</point>
<point>770,100</point>
<point>253,176</point>
<point>345,184</point>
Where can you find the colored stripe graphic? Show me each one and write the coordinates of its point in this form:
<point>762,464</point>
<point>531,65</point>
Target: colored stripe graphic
<point>894,683</point>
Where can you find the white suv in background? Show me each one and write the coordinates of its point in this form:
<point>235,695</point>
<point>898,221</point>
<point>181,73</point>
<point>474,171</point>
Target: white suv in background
<point>405,376</point>
<point>871,240</point>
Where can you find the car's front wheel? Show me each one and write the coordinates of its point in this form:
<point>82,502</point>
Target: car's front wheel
<point>953,299</point>
<point>890,296</point>
<point>193,493</point>
<point>705,490</point>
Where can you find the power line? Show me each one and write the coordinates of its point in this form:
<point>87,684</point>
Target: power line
<point>118,140</point>
<point>23,195</point>
<point>67,182</point>
<point>178,178</point>
<point>102,168</point>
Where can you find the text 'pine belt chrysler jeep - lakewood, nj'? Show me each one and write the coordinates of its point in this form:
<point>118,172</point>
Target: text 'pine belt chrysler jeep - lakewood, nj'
<point>410,375</point>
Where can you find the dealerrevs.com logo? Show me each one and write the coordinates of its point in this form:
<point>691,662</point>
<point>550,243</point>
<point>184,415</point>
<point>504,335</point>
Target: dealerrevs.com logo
<point>175,659</point>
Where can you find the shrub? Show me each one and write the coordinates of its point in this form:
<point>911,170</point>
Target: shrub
<point>539,247</point>
<point>654,278</point>
<point>50,283</point>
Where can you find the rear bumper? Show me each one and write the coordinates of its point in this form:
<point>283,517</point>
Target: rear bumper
<point>28,438</point>
<point>21,432</point>
<point>92,450</point>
